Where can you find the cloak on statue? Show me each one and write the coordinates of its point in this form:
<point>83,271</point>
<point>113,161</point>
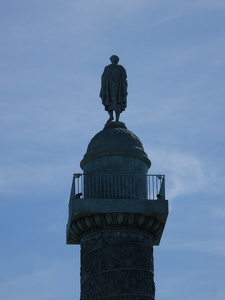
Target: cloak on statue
<point>114,88</point>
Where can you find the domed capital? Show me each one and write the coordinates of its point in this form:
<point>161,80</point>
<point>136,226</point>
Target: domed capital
<point>115,140</point>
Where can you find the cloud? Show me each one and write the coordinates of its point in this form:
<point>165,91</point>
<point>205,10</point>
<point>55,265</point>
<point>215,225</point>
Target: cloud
<point>185,173</point>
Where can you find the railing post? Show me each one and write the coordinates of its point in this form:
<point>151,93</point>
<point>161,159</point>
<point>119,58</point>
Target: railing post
<point>72,193</point>
<point>161,194</point>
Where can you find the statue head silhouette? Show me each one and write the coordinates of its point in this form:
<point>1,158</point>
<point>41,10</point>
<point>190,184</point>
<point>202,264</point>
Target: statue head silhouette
<point>114,59</point>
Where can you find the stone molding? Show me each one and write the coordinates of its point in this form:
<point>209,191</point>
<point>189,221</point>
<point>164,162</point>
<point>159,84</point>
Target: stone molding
<point>115,221</point>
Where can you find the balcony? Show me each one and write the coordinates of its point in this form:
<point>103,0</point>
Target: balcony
<point>118,186</point>
<point>97,195</point>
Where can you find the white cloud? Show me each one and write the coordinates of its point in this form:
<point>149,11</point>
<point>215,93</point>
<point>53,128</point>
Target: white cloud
<point>185,173</point>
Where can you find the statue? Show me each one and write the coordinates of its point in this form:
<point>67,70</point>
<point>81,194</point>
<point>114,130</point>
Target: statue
<point>114,88</point>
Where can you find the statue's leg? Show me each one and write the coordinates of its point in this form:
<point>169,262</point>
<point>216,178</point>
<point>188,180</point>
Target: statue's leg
<point>110,116</point>
<point>117,116</point>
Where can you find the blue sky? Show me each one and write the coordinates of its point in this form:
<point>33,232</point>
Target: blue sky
<point>52,54</point>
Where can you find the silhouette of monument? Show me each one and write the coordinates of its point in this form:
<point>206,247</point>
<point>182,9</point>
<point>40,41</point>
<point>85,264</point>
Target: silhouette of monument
<point>117,213</point>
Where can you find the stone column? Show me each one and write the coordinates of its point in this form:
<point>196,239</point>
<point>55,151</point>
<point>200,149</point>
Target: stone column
<point>117,265</point>
<point>115,224</point>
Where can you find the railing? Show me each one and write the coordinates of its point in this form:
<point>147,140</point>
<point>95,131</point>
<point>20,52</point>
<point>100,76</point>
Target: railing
<point>118,186</point>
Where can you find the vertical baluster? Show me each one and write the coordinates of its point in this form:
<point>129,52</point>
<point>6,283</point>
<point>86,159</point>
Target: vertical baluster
<point>153,187</point>
<point>81,186</point>
<point>116,187</point>
<point>103,178</point>
<point>91,185</point>
<point>119,183</point>
<point>111,186</point>
<point>107,176</point>
<point>96,178</point>
<point>136,184</point>
<point>126,182</point>
<point>100,186</point>
<point>87,179</point>
<point>74,186</point>
<point>157,190</point>
<point>78,186</point>
<point>129,184</point>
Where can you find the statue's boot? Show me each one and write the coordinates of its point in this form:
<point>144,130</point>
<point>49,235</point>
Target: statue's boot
<point>117,116</point>
<point>110,116</point>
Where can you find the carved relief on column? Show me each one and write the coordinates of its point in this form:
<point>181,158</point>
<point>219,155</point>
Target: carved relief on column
<point>117,265</point>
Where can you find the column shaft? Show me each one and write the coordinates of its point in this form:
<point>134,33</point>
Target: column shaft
<point>117,265</point>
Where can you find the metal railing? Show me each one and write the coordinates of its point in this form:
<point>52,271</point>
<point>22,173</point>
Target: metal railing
<point>118,186</point>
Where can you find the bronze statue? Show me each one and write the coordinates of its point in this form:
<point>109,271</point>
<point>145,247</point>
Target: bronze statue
<point>114,88</point>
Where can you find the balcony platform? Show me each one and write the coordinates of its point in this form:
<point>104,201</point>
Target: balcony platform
<point>83,207</point>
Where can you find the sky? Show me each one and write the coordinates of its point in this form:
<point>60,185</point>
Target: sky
<point>52,55</point>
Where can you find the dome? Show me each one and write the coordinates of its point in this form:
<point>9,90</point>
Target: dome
<point>115,140</point>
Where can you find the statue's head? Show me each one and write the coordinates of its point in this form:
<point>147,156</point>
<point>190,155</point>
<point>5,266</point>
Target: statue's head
<point>114,59</point>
